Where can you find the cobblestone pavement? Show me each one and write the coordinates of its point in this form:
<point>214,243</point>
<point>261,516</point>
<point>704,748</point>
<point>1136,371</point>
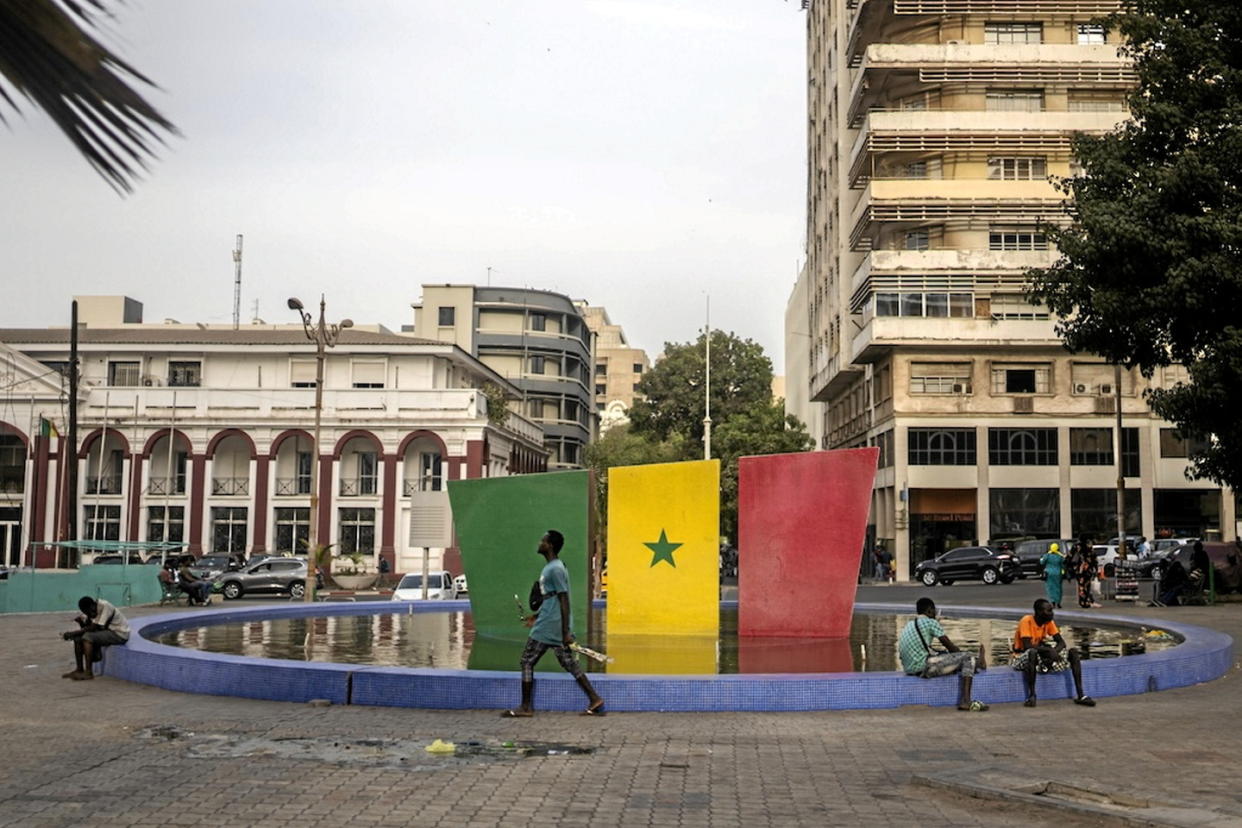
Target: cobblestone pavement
<point>109,752</point>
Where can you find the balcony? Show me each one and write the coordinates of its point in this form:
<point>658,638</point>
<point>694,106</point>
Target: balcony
<point>166,486</point>
<point>293,486</point>
<point>880,334</point>
<point>230,486</point>
<point>973,131</point>
<point>109,485</point>
<point>968,270</point>
<point>12,480</point>
<point>358,486</point>
<point>934,64</point>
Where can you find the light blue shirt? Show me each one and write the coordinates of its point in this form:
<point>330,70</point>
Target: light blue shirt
<point>553,580</point>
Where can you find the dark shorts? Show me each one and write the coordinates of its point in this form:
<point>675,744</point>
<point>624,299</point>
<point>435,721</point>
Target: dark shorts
<point>103,638</point>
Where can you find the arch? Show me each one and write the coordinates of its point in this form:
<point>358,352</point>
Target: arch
<point>89,440</point>
<point>231,432</point>
<point>357,432</point>
<point>178,437</point>
<point>286,434</point>
<point>422,432</point>
<point>9,428</point>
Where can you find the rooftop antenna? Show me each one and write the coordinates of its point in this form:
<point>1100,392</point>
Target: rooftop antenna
<point>237,256</point>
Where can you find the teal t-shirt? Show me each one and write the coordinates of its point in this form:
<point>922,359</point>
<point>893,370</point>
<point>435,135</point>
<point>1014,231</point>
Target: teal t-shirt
<point>553,580</point>
<point>914,641</point>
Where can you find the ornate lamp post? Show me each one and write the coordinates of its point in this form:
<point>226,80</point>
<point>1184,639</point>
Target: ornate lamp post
<point>324,336</point>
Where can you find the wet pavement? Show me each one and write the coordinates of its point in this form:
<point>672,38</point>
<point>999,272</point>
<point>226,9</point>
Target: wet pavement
<point>108,752</point>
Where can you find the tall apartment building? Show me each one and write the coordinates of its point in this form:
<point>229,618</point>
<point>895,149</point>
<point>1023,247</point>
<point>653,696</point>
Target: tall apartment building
<point>618,368</point>
<point>933,129</point>
<point>538,340</point>
<point>204,434</point>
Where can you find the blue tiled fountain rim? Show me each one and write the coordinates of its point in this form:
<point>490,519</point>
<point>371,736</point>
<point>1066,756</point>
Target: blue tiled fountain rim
<point>1203,655</point>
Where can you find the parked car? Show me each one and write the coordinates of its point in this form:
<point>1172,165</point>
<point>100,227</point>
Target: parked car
<point>969,563</point>
<point>1154,564</point>
<point>1164,544</point>
<point>209,566</point>
<point>1029,553</point>
<point>459,585</point>
<point>439,587</point>
<point>267,576</point>
<point>114,558</point>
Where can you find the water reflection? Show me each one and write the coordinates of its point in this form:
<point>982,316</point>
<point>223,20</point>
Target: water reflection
<point>447,640</point>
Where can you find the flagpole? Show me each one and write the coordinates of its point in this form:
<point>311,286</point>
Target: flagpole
<point>103,439</point>
<point>707,386</point>
<point>172,436</point>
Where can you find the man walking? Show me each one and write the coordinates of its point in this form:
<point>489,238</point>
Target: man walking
<point>551,629</point>
<point>918,658</point>
<point>100,625</point>
<point>1032,653</point>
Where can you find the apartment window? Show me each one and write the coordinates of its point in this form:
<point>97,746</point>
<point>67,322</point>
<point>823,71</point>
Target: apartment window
<point>102,522</point>
<point>176,524</point>
<point>536,365</point>
<point>356,531</point>
<point>1013,32</point>
<point>920,101</point>
<point>1016,238</point>
<point>447,317</point>
<point>601,369</point>
<point>940,446</point>
<point>924,304</point>
<point>302,479</point>
<point>228,529</point>
<point>1018,167</point>
<point>1091,446</point>
<point>1094,100</point>
<point>918,240</point>
<point>1090,34</point>
<point>1173,444</point>
<point>600,389</point>
<point>369,374</point>
<point>124,373</point>
<point>940,378</point>
<point>1016,306</point>
<point>638,367</point>
<point>538,322</point>
<point>12,465</point>
<point>302,373</point>
<point>293,530</point>
<point>1022,446</point>
<point>368,473</point>
<point>1019,512</point>
<point>430,472</point>
<point>1093,512</point>
<point>884,442</point>
<point>1014,100</point>
<point>1130,452</point>
<point>1021,379</point>
<point>185,374</point>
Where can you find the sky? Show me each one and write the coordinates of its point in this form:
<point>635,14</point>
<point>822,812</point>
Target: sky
<point>638,154</point>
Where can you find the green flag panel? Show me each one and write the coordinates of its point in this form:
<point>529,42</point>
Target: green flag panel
<point>499,522</point>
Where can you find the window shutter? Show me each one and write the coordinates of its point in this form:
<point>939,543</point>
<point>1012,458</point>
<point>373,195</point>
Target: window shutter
<point>301,372</point>
<point>369,373</point>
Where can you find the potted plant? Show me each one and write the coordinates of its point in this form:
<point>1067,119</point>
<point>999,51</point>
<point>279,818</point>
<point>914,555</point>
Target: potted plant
<point>350,571</point>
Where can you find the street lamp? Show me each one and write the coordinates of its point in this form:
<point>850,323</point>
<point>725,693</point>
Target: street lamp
<point>324,336</point>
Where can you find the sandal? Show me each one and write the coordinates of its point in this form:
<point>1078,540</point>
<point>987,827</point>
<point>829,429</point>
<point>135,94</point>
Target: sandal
<point>517,714</point>
<point>1085,701</point>
<point>596,709</point>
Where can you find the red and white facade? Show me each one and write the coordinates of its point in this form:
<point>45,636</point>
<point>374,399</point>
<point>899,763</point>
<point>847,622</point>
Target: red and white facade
<point>215,426</point>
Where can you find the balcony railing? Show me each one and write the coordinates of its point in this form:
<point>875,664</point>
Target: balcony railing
<point>12,481</point>
<point>166,486</point>
<point>292,486</point>
<point>358,486</point>
<point>409,487</point>
<point>104,485</point>
<point>230,485</point>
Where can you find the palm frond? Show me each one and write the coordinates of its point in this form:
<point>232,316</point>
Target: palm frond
<point>48,56</point>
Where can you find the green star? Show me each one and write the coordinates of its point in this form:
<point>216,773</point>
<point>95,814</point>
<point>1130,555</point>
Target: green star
<point>663,550</point>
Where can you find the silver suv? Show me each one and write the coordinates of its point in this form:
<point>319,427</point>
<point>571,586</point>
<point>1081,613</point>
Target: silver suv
<point>269,575</point>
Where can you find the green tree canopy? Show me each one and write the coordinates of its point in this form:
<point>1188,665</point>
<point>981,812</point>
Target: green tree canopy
<point>48,56</point>
<point>1151,262</point>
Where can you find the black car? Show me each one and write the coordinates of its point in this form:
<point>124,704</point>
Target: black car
<point>969,563</point>
<point>1029,553</point>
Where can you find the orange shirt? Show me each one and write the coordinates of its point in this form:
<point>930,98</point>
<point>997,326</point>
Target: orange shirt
<point>1027,628</point>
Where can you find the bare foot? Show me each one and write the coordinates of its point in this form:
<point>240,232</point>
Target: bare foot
<point>595,708</point>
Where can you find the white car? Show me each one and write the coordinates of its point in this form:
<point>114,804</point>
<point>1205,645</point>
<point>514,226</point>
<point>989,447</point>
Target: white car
<point>439,587</point>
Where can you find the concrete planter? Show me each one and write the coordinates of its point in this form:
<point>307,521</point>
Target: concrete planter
<point>363,581</point>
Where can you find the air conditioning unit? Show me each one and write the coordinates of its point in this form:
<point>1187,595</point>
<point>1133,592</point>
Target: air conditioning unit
<point>1106,389</point>
<point>1080,388</point>
<point>1105,405</point>
<point>959,388</point>
<point>150,381</point>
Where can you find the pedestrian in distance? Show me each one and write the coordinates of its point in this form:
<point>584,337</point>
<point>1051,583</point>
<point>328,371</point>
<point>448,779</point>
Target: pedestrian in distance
<point>551,629</point>
<point>100,625</point>
<point>1033,654</point>
<point>919,659</point>
<point>1087,565</point>
<point>1053,563</point>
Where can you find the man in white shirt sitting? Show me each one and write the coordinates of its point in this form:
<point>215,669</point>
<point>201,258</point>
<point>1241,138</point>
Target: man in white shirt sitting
<point>100,625</point>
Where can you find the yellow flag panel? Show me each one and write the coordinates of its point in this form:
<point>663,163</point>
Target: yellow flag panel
<point>663,549</point>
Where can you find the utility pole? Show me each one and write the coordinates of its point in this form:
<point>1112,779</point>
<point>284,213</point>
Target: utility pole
<point>1121,477</point>
<point>69,452</point>
<point>237,259</point>
<point>707,385</point>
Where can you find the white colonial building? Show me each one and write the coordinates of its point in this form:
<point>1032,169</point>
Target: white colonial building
<point>208,431</point>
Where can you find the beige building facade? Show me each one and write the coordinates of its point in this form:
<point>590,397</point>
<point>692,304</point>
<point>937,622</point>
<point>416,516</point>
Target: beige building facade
<point>935,129</point>
<point>618,368</point>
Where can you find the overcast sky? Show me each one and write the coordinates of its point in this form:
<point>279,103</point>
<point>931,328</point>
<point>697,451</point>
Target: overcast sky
<point>633,153</point>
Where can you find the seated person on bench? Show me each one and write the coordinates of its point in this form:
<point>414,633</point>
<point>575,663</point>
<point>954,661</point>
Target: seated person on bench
<point>197,588</point>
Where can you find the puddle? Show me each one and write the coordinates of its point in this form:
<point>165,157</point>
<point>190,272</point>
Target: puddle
<point>408,754</point>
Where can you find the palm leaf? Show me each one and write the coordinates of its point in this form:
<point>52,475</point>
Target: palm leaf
<point>48,57</point>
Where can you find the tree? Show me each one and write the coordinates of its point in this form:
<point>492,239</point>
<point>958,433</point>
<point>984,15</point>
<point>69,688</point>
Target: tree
<point>745,418</point>
<point>673,389</point>
<point>1150,272</point>
<point>48,56</point>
